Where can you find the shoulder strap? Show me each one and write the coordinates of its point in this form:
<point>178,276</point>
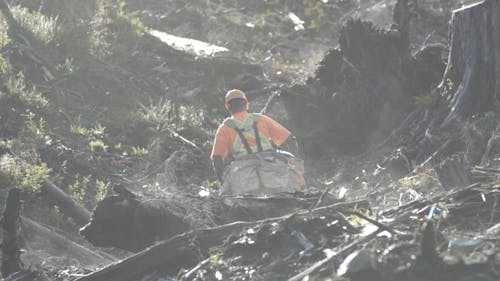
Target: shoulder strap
<point>256,132</point>
<point>230,123</point>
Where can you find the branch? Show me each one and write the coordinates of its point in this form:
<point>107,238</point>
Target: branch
<point>339,251</point>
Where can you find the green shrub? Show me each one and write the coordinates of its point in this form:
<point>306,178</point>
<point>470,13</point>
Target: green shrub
<point>98,146</point>
<point>80,187</point>
<point>45,29</point>
<point>314,13</point>
<point>16,173</point>
<point>448,90</point>
<point>163,116</point>
<point>101,189</point>
<point>139,151</point>
<point>31,97</point>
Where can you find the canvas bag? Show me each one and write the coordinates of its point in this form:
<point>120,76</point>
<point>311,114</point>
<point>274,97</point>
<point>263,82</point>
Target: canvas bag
<point>263,173</point>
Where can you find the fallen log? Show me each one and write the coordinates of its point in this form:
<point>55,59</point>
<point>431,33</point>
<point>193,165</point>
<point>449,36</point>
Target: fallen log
<point>68,206</point>
<point>23,275</point>
<point>127,222</point>
<point>11,250</point>
<point>177,252</point>
<point>72,248</point>
<point>168,256</point>
<point>210,237</point>
<point>206,239</point>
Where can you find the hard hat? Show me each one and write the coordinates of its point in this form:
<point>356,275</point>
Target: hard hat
<point>235,94</point>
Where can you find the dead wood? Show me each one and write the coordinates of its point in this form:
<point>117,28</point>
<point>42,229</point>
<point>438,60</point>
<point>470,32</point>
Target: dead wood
<point>185,140</point>
<point>492,146</point>
<point>11,250</point>
<point>71,247</point>
<point>210,237</point>
<point>420,203</point>
<point>485,174</point>
<point>474,62</point>
<point>454,172</point>
<point>68,206</point>
<point>24,275</point>
<point>439,152</point>
<point>172,254</point>
<point>168,256</point>
<point>350,93</point>
<point>125,221</point>
<point>269,102</point>
<point>342,249</point>
<point>460,202</point>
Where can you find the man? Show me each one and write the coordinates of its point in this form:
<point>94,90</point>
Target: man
<point>253,154</point>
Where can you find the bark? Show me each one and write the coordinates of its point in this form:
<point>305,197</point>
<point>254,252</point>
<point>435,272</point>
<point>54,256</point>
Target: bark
<point>473,70</point>
<point>11,252</point>
<point>168,256</point>
<point>68,206</point>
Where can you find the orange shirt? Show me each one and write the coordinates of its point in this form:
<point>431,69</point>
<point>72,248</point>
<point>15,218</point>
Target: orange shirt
<point>226,136</point>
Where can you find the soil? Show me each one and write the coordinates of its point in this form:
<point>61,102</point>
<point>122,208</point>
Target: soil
<point>106,102</point>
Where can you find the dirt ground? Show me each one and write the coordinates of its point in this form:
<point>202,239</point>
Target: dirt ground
<point>108,93</point>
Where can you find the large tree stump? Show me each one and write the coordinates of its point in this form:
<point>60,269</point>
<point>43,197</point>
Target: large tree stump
<point>363,90</point>
<point>473,72</point>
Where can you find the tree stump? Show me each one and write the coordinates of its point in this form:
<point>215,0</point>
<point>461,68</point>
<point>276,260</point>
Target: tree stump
<point>11,253</point>
<point>472,77</point>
